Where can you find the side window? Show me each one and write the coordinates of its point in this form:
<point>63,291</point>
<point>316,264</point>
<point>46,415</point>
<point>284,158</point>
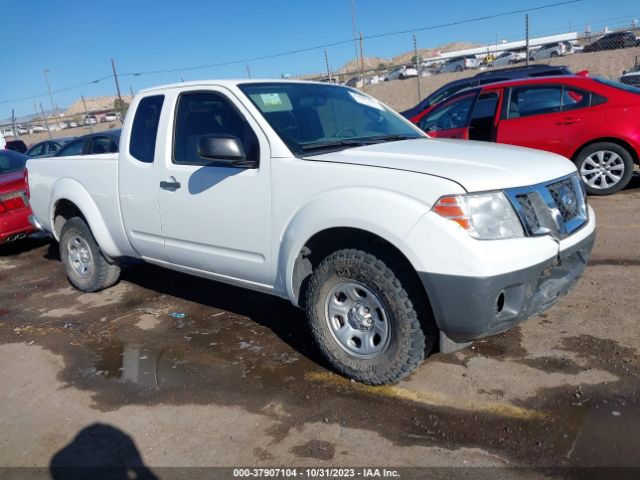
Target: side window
<point>144,131</point>
<point>573,99</point>
<point>53,148</point>
<point>37,149</point>
<point>207,113</point>
<point>101,145</point>
<point>454,114</point>
<point>73,148</point>
<point>485,107</point>
<point>527,101</point>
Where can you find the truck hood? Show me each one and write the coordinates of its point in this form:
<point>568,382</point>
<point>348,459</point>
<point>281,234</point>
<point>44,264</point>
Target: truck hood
<point>476,166</point>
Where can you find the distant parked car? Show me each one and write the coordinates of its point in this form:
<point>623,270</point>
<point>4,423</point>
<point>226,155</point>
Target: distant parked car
<point>37,128</point>
<point>14,207</point>
<point>8,132</point>
<point>48,148</point>
<point>613,41</point>
<point>414,114</point>
<point>508,58</point>
<point>72,124</point>
<point>593,122</point>
<point>16,146</point>
<point>92,144</point>
<point>632,76</point>
<point>551,50</point>
<point>112,117</point>
<point>458,64</point>
<point>354,82</point>
<point>400,73</point>
<point>89,120</point>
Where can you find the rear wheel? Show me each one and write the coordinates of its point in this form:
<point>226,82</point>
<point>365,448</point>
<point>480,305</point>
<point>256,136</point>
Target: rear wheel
<point>363,319</point>
<point>604,168</point>
<point>87,269</point>
<point>458,68</point>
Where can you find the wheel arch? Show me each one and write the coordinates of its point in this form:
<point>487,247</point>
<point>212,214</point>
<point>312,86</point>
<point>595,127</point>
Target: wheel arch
<point>69,199</point>
<point>618,141</point>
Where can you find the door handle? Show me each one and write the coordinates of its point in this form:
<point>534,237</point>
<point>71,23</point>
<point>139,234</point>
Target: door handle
<point>569,121</point>
<point>173,184</point>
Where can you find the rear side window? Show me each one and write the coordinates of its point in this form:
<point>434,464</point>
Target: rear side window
<point>37,149</point>
<point>144,131</point>
<point>573,98</point>
<point>100,145</point>
<point>527,101</point>
<point>73,148</point>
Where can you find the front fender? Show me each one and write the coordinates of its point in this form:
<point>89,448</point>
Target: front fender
<point>387,214</point>
<point>73,191</point>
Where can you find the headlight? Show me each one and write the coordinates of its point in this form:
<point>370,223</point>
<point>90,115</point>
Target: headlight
<point>486,216</point>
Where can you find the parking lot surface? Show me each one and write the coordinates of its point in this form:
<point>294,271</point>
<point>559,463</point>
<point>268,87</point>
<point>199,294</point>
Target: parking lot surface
<point>196,373</point>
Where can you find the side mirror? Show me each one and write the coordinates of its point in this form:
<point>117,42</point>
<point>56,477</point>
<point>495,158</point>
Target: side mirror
<point>224,149</point>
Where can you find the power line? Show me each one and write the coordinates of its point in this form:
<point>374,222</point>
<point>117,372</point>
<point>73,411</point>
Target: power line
<point>303,50</point>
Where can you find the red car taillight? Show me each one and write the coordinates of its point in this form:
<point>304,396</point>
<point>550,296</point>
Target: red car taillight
<point>11,202</point>
<point>26,183</point>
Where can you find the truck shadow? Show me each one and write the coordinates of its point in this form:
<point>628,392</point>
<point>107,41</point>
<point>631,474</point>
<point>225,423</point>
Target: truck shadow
<point>278,315</point>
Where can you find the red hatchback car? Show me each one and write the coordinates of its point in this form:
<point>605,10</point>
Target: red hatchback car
<point>14,206</point>
<point>593,122</point>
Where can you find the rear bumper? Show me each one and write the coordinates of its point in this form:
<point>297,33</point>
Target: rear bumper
<point>468,308</point>
<point>14,225</point>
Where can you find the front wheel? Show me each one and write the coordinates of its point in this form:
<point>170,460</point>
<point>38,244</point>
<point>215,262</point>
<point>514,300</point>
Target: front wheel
<point>87,269</point>
<point>604,168</point>
<point>365,323</point>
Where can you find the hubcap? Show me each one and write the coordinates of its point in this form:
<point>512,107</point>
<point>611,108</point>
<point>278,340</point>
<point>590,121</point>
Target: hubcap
<point>80,256</point>
<point>357,320</point>
<point>602,169</point>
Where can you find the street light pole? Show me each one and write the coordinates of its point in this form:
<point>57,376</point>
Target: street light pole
<point>46,77</point>
<point>353,23</point>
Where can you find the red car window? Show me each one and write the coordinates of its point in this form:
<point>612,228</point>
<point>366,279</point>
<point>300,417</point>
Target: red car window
<point>453,114</point>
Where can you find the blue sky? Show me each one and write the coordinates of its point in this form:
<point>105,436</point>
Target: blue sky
<point>75,39</point>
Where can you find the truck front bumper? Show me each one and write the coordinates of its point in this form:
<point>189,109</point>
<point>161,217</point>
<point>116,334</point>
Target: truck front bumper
<point>468,308</point>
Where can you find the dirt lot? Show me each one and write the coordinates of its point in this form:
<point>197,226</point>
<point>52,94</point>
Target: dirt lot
<point>114,377</point>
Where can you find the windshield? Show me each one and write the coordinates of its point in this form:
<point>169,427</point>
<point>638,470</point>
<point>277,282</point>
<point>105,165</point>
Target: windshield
<point>11,162</point>
<point>618,85</point>
<point>310,117</point>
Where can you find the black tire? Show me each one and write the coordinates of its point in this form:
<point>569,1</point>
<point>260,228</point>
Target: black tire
<point>411,329</point>
<point>625,167</point>
<point>76,240</point>
<point>554,54</point>
<point>459,68</point>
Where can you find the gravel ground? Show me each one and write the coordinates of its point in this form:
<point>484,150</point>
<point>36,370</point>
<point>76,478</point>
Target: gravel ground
<point>115,377</point>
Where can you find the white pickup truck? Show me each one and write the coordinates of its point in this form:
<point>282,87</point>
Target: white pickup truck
<point>393,243</point>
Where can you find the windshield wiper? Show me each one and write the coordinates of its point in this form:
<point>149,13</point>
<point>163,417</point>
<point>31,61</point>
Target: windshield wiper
<point>348,142</point>
<point>356,142</point>
<point>392,138</point>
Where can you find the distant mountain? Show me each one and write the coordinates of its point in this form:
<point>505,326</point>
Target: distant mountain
<point>374,62</point>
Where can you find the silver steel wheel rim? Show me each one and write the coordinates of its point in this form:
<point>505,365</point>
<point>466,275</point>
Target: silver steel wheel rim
<point>357,320</point>
<point>602,169</point>
<point>79,255</point>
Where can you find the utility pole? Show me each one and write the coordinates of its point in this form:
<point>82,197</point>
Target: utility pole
<point>353,24</point>
<point>527,36</point>
<point>115,76</point>
<point>46,77</point>
<point>46,124</point>
<point>248,71</point>
<point>326,62</point>
<point>362,63</point>
<point>131,92</point>
<point>415,52</point>
<point>86,114</point>
<point>13,124</point>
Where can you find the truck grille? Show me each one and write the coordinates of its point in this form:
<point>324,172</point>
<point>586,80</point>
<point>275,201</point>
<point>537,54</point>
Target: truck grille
<point>558,208</point>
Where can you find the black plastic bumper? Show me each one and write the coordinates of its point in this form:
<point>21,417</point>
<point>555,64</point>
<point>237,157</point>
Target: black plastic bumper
<point>468,308</point>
